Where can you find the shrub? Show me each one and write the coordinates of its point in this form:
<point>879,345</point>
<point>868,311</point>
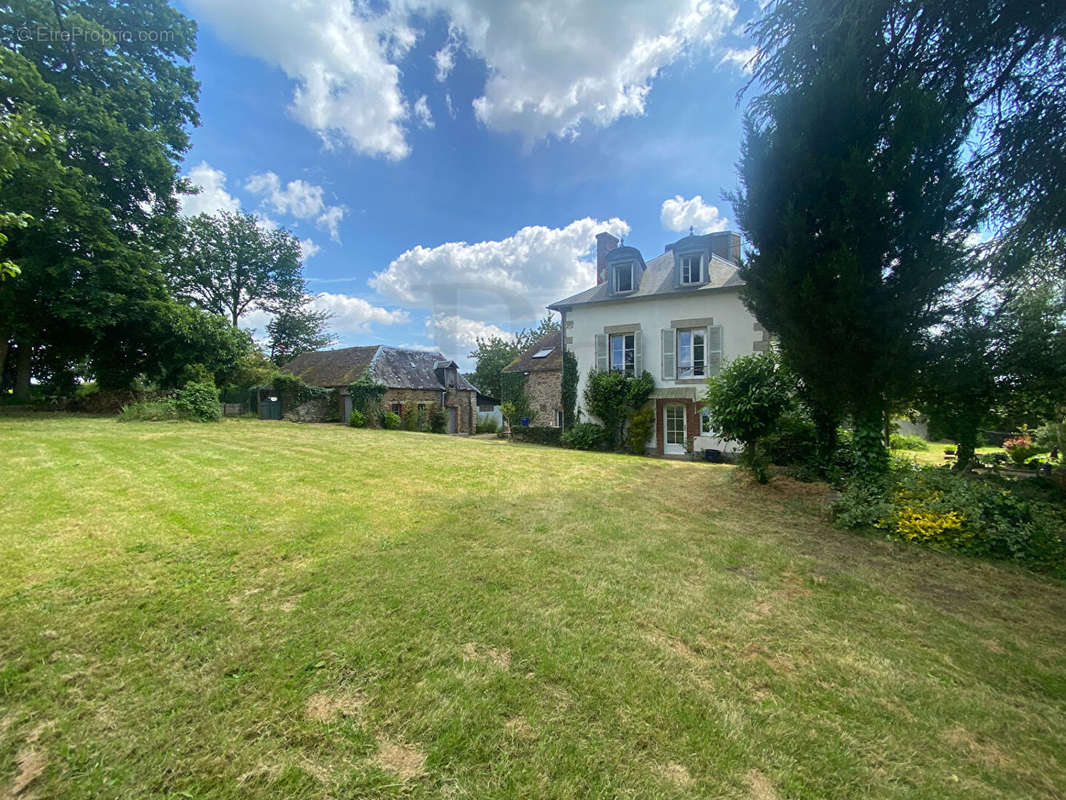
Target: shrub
<point>488,426</point>
<point>391,421</point>
<point>899,441</point>
<point>977,515</point>
<point>357,419</point>
<point>746,400</point>
<point>586,436</point>
<point>199,401</point>
<point>640,425</point>
<point>792,442</point>
<point>410,418</point>
<point>611,396</point>
<point>538,434</point>
<point>1020,448</point>
<point>149,411</point>
<point>438,420</point>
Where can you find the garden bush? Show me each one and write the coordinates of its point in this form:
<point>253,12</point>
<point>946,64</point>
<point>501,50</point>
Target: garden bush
<point>149,411</point>
<point>792,442</point>
<point>537,434</point>
<point>746,400</point>
<point>391,421</point>
<point>1020,448</point>
<point>638,430</point>
<point>900,441</point>
<point>357,419</point>
<point>977,515</point>
<point>198,400</point>
<point>612,396</point>
<point>586,436</point>
<point>411,421</point>
<point>438,420</point>
<point>488,426</point>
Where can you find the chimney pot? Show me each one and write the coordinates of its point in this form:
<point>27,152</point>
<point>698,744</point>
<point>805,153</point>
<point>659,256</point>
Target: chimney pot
<point>605,243</point>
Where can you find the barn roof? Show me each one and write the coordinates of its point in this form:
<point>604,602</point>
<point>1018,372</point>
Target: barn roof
<point>395,367</point>
<point>544,356</point>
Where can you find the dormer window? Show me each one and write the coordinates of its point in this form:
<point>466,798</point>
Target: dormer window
<point>623,277</point>
<point>690,270</point>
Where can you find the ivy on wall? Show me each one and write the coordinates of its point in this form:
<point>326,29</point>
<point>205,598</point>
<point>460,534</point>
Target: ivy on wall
<point>569,389</point>
<point>367,396</point>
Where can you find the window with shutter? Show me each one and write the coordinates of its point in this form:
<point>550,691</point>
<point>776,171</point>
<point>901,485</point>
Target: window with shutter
<point>691,353</point>
<point>601,352</point>
<point>622,352</point>
<point>668,353</point>
<point>714,349</point>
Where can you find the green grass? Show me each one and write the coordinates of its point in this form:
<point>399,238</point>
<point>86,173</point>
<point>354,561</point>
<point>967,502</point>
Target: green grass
<point>266,610</point>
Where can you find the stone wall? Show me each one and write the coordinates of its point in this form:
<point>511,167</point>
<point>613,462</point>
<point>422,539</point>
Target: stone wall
<point>544,391</point>
<point>464,401</point>
<point>311,411</point>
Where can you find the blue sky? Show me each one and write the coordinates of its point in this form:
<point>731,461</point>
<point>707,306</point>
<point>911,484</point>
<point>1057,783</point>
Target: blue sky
<point>448,162</point>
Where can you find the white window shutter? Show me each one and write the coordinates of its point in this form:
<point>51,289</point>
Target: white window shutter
<point>714,349</point>
<point>638,353</point>
<point>601,352</point>
<point>669,356</point>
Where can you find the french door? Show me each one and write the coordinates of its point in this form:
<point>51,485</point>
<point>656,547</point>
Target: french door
<point>674,430</point>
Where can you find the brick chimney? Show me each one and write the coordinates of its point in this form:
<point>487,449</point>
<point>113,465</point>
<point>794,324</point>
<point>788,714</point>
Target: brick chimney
<point>605,243</point>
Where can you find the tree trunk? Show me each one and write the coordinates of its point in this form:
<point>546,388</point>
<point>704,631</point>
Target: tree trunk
<point>825,431</point>
<point>22,371</point>
<point>964,451</point>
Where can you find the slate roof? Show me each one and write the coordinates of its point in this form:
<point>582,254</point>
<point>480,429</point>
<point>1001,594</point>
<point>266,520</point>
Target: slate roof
<point>553,361</point>
<point>332,367</point>
<point>658,279</point>
<point>392,366</point>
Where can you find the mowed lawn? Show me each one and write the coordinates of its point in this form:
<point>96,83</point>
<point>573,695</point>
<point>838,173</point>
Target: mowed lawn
<point>270,610</point>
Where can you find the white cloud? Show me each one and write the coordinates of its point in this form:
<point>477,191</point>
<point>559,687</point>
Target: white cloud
<point>330,220</point>
<point>553,65</point>
<point>213,196</point>
<point>678,214</point>
<point>422,112</point>
<point>557,65</point>
<point>456,336</point>
<point>347,86</point>
<point>297,198</point>
<point>740,58</point>
<point>511,279</point>
<point>308,248</point>
<point>444,59</point>
<point>354,314</point>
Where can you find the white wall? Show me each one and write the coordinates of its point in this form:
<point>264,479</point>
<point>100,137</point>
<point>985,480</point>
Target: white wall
<point>654,314</point>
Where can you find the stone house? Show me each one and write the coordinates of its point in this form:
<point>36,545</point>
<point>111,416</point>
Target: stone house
<point>542,366</point>
<point>411,377</point>
<point>678,316</point>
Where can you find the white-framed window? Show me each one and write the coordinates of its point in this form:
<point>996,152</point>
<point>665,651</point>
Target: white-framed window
<point>690,269</point>
<point>622,353</point>
<point>675,425</point>
<point>692,353</point>
<point>623,277</point>
<point>705,422</point>
<point>558,419</point>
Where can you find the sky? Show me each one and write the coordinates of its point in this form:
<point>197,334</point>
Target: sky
<point>447,164</point>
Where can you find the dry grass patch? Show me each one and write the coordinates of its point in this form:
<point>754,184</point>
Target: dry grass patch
<point>760,787</point>
<point>487,655</point>
<point>676,773</point>
<point>323,707</point>
<point>403,760</point>
<point>30,764</point>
